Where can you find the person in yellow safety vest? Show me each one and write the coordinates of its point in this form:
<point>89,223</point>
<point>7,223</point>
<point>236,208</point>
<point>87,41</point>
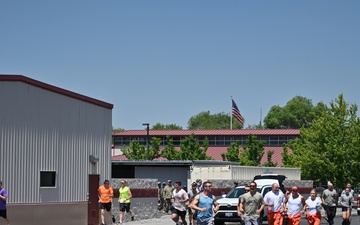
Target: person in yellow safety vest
<point>124,200</point>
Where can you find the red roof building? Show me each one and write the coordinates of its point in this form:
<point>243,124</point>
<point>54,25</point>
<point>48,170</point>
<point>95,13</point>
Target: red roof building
<point>219,140</point>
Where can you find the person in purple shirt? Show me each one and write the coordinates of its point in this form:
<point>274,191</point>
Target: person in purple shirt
<point>3,197</point>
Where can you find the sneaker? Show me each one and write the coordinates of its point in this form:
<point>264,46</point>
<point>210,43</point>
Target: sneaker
<point>120,222</point>
<point>132,218</point>
<point>325,217</point>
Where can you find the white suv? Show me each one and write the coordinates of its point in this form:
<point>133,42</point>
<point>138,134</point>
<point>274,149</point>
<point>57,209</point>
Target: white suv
<point>228,205</point>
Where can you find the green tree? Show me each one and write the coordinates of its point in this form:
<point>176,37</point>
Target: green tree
<point>136,151</point>
<point>252,152</point>
<point>232,153</point>
<point>154,148</point>
<point>160,126</point>
<point>269,162</point>
<point>330,148</point>
<point>169,151</point>
<point>207,121</point>
<point>117,130</point>
<point>298,112</point>
<point>190,149</point>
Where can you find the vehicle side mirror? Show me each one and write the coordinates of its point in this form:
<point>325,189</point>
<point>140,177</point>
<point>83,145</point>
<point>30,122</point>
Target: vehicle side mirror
<point>224,195</point>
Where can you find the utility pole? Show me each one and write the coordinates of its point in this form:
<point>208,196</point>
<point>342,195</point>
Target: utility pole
<point>147,139</point>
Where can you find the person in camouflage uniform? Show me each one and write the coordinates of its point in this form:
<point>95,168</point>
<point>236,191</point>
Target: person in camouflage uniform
<point>167,193</point>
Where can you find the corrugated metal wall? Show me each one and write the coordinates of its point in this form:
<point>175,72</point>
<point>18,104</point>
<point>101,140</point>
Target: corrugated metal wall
<point>248,172</point>
<point>44,131</point>
<point>240,172</point>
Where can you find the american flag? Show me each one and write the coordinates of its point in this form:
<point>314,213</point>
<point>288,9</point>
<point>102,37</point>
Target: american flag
<point>236,112</point>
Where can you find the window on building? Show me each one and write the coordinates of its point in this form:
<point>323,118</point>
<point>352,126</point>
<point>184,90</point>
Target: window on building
<point>47,178</point>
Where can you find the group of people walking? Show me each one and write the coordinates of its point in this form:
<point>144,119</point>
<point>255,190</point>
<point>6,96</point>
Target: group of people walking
<point>288,208</point>
<point>198,202</point>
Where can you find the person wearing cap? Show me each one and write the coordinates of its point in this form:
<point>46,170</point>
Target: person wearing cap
<point>251,205</point>
<point>274,201</point>
<point>160,197</point>
<point>192,193</point>
<point>199,185</point>
<point>294,206</point>
<point>328,199</point>
<point>168,189</point>
<point>313,208</point>
<point>236,184</point>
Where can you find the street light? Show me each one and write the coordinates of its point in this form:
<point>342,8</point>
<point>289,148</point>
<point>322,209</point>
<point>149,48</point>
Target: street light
<point>147,139</point>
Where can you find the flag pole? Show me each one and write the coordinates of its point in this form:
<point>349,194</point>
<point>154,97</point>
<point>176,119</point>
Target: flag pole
<point>231,113</point>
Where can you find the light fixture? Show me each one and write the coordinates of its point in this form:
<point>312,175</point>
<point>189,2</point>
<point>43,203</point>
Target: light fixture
<point>93,159</point>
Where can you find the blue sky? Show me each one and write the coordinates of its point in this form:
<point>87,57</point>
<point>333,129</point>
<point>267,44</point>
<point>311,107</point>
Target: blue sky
<point>165,61</point>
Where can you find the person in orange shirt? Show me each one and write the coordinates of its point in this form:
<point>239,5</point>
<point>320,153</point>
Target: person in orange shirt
<point>105,193</point>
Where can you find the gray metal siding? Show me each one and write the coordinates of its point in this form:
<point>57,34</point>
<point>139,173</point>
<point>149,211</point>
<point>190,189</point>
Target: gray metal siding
<point>45,131</point>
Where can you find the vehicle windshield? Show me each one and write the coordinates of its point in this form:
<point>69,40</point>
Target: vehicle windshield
<point>236,192</point>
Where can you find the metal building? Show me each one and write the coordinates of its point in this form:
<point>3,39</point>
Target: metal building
<point>55,150</point>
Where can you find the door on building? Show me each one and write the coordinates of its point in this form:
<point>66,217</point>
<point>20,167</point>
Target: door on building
<point>93,205</point>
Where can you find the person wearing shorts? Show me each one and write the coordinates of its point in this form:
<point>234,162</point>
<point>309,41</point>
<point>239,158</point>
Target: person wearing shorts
<point>346,199</point>
<point>191,194</point>
<point>179,199</point>
<point>124,200</point>
<point>3,198</point>
<point>105,193</point>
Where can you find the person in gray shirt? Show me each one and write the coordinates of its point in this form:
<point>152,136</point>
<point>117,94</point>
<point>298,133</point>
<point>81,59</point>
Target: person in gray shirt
<point>345,200</point>
<point>251,205</point>
<point>328,198</point>
<point>348,185</point>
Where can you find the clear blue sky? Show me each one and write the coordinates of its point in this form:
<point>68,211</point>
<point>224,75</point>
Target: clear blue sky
<point>165,61</point>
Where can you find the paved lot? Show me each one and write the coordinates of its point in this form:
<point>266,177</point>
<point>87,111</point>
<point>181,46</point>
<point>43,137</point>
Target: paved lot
<point>166,220</point>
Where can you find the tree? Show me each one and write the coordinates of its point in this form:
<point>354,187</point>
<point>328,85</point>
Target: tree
<point>252,152</point>
<point>274,118</point>
<point>136,151</point>
<point>269,162</point>
<point>207,121</point>
<point>330,148</point>
<point>117,130</point>
<point>169,152</point>
<point>160,126</point>
<point>190,149</point>
<point>232,154</point>
<point>154,148</point>
<point>298,112</point>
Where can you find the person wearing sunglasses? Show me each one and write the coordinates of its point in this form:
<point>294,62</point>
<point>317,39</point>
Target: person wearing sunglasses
<point>206,205</point>
<point>294,206</point>
<point>251,205</point>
